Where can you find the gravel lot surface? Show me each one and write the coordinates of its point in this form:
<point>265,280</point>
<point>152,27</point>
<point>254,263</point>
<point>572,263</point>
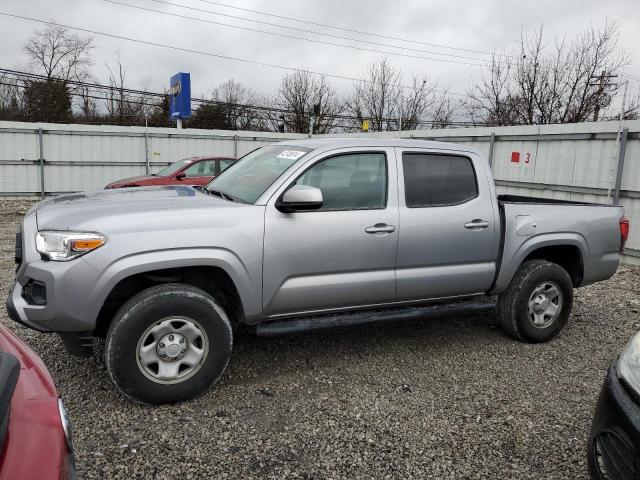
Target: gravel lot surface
<point>442,398</point>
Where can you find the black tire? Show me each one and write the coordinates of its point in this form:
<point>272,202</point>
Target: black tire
<point>144,310</point>
<point>513,305</point>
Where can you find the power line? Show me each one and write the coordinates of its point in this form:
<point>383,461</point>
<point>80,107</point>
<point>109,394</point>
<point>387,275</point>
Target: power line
<point>199,52</point>
<point>284,35</point>
<point>361,32</point>
<point>164,2</point>
<point>16,75</point>
<point>268,112</point>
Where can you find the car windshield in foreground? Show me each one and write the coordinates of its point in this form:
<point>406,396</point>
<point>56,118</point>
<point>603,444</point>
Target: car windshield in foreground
<point>249,177</point>
<point>173,168</point>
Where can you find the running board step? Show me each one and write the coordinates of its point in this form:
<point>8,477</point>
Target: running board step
<point>290,326</point>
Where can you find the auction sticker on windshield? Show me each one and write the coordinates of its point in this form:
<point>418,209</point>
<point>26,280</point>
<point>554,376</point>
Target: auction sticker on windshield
<point>291,154</point>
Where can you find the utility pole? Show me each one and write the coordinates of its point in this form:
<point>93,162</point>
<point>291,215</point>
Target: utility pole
<point>603,83</point>
<point>600,90</point>
<point>146,145</point>
<point>314,117</point>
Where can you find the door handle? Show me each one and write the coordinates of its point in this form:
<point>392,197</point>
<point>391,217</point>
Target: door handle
<point>380,228</point>
<point>476,224</point>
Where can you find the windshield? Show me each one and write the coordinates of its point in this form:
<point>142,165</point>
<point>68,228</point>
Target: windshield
<point>173,168</point>
<point>250,176</point>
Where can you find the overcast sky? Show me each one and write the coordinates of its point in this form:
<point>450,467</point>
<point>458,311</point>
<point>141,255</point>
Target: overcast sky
<point>482,26</point>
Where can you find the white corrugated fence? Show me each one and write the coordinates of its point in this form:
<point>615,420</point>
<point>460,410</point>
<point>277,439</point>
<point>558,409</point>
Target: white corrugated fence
<point>573,161</point>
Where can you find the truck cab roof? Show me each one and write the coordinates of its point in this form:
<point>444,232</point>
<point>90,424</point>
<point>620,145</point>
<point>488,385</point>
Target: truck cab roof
<point>339,142</point>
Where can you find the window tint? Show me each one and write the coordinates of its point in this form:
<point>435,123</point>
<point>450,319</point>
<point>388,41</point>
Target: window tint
<point>351,181</point>
<point>205,168</point>
<point>432,180</point>
<point>224,164</point>
<point>173,168</point>
<point>209,168</point>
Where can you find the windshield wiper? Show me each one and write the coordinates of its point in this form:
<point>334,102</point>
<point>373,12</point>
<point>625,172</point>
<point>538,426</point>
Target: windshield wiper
<point>221,194</point>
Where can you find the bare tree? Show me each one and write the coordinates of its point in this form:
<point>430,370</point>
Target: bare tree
<point>116,100</point>
<point>420,104</point>
<point>490,101</point>
<point>443,110</point>
<point>55,52</point>
<point>238,105</point>
<point>231,106</point>
<point>62,57</point>
<point>630,110</point>
<point>572,81</point>
<point>123,107</point>
<point>376,95</point>
<point>12,105</point>
<point>304,96</point>
<point>381,98</point>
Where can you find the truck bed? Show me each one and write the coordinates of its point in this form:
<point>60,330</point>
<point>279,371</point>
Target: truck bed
<point>529,224</point>
<point>544,201</point>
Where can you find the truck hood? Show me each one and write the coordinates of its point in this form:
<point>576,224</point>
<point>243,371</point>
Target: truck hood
<point>95,211</point>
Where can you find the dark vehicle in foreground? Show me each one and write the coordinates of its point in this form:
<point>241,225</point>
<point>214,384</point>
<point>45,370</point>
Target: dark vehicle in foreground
<point>613,450</point>
<point>188,171</point>
<point>35,432</point>
<point>296,236</point>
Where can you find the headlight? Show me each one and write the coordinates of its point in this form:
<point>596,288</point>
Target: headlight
<point>629,363</point>
<point>65,246</point>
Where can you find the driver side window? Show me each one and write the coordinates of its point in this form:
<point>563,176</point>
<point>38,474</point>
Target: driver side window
<point>350,182</point>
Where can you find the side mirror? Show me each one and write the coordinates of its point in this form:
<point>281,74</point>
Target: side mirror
<point>300,197</point>
<point>181,176</point>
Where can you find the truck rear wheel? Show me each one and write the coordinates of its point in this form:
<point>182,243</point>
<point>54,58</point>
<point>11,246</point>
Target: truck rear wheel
<point>167,344</point>
<point>537,303</point>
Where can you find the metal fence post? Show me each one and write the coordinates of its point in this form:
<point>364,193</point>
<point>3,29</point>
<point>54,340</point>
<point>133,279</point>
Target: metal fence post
<point>493,141</point>
<point>235,146</point>
<point>41,154</point>
<point>146,152</point>
<point>621,153</point>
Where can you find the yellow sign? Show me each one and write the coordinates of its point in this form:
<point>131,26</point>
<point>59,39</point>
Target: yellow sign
<point>365,125</point>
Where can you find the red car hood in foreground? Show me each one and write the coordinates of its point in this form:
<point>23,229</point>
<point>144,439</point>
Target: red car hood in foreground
<point>147,179</point>
<point>35,446</point>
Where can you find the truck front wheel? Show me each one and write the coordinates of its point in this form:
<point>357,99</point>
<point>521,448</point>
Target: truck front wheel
<point>537,303</point>
<point>167,344</point>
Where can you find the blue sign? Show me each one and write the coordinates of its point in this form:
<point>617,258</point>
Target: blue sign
<point>180,96</point>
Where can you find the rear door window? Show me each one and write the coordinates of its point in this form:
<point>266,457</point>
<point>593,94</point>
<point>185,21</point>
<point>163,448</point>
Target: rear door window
<point>204,168</point>
<point>433,180</point>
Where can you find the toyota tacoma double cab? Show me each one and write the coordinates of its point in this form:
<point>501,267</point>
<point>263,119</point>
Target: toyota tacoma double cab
<point>296,236</point>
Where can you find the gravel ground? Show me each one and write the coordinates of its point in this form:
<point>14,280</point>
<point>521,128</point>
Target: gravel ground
<point>442,398</point>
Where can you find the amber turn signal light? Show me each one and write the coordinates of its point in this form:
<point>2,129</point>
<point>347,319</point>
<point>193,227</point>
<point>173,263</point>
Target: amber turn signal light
<point>86,244</point>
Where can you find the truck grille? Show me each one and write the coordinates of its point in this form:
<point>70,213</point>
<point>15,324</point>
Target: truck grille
<point>616,457</point>
<point>18,254</point>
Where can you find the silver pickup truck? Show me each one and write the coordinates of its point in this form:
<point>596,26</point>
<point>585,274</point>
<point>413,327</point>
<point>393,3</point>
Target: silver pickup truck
<point>298,236</point>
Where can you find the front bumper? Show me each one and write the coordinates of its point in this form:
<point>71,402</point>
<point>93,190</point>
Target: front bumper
<point>79,343</point>
<point>67,304</point>
<point>613,450</point>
